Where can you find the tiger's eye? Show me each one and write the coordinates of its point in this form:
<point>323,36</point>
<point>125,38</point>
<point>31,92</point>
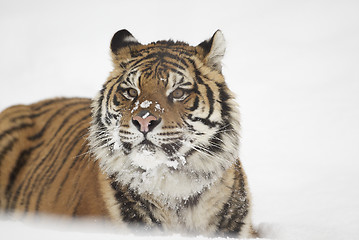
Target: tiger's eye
<point>178,93</point>
<point>132,92</point>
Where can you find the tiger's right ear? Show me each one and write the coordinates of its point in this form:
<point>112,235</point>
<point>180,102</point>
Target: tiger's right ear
<point>212,50</point>
<point>121,39</point>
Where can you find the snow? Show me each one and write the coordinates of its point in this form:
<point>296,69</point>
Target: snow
<point>135,107</point>
<point>145,104</point>
<point>79,232</point>
<point>292,64</point>
<point>159,108</point>
<point>148,160</point>
<point>146,115</point>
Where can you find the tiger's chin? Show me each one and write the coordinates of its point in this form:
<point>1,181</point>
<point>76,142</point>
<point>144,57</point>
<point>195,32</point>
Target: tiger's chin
<point>148,156</point>
<point>147,169</point>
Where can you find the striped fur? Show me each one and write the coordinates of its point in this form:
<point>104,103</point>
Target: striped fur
<point>77,157</point>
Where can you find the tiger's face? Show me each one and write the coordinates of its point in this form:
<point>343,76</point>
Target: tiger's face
<point>165,122</point>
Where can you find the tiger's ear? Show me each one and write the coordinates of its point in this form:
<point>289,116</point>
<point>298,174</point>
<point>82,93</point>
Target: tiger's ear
<point>213,50</point>
<point>121,39</point>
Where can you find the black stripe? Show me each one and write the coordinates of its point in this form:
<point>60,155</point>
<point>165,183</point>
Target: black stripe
<point>175,71</point>
<point>81,153</point>
<point>139,62</point>
<point>69,148</point>
<point>128,81</point>
<point>172,139</point>
<point>110,91</point>
<point>49,121</point>
<point>74,213</point>
<point>46,159</point>
<point>128,212</point>
<point>19,109</point>
<point>195,104</point>
<point>130,202</point>
<point>72,145</point>
<point>126,132</point>
<point>198,76</point>
<point>166,63</point>
<point>223,214</point>
<point>210,100</point>
<point>13,129</point>
<point>168,133</point>
<point>236,208</point>
<point>224,97</point>
<point>203,120</point>
<point>127,147</point>
<point>67,118</point>
<point>178,47</point>
<point>49,102</point>
<point>34,115</point>
<point>29,177</point>
<point>7,148</point>
<point>116,101</point>
<point>179,82</point>
<point>186,84</point>
<point>195,88</point>
<point>158,73</point>
<point>139,81</point>
<point>175,58</point>
<point>20,163</point>
<point>209,93</point>
<point>97,117</point>
<point>215,143</point>
<point>186,100</point>
<point>159,56</point>
<point>171,148</point>
<point>192,201</point>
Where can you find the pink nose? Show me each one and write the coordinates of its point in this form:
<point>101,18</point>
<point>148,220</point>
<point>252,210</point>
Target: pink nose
<point>144,122</point>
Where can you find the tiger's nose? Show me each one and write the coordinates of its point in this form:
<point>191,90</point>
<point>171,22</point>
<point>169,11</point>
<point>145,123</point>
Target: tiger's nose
<point>145,121</point>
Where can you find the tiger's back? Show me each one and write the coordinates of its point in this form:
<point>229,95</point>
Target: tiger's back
<point>44,159</point>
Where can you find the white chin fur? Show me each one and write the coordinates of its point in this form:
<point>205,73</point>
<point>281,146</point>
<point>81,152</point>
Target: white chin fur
<point>147,174</point>
<point>148,159</point>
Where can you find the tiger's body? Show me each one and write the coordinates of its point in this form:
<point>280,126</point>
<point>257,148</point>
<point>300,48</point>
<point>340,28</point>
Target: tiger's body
<point>157,147</point>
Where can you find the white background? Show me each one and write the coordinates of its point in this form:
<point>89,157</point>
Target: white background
<point>292,64</point>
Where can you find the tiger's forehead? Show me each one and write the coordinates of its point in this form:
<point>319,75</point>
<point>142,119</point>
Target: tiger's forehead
<point>161,64</point>
<point>162,56</point>
<point>176,48</point>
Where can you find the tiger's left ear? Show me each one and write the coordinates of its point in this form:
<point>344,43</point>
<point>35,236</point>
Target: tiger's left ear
<point>121,39</point>
<point>213,50</point>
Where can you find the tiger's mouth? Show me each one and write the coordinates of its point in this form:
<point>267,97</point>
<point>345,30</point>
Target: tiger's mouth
<point>147,143</point>
<point>147,155</point>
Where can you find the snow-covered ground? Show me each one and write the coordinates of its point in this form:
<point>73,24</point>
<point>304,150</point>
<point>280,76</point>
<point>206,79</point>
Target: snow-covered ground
<point>294,66</point>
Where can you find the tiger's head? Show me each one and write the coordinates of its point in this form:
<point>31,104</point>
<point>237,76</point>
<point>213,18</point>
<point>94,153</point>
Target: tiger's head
<point>165,122</point>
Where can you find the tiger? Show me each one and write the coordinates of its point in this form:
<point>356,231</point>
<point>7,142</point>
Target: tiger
<point>157,148</point>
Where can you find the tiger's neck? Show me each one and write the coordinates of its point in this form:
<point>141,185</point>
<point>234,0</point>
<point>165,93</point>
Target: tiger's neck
<point>127,205</point>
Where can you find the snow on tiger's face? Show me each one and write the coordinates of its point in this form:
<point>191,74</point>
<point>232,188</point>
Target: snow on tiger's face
<point>164,115</point>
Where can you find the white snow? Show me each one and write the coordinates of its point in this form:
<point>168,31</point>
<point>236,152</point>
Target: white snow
<point>147,160</point>
<point>146,115</point>
<point>145,104</point>
<point>135,107</point>
<point>158,107</point>
<point>292,64</point>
